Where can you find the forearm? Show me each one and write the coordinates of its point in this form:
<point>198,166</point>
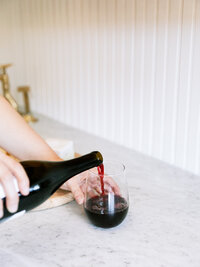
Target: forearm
<point>19,139</point>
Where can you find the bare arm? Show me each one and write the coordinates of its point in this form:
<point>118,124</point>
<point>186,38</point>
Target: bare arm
<point>19,139</point>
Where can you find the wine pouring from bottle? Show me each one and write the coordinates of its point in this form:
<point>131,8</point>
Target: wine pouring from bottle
<point>46,177</point>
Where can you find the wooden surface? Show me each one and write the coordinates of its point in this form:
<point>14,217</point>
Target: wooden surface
<point>60,197</point>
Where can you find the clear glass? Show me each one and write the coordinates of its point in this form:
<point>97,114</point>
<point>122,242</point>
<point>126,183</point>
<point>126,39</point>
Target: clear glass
<point>106,205</point>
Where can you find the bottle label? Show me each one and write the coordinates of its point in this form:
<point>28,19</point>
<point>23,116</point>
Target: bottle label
<point>33,188</point>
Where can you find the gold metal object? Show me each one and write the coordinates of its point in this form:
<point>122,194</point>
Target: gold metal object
<point>6,85</point>
<point>26,113</point>
<point>6,93</point>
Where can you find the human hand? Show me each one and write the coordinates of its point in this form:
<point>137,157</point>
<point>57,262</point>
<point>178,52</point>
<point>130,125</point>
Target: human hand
<point>10,169</point>
<point>77,185</point>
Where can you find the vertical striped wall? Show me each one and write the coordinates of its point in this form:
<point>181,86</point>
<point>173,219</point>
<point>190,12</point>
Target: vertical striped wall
<point>126,70</point>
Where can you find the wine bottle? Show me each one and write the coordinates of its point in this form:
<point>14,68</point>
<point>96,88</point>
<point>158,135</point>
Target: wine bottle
<point>46,177</point>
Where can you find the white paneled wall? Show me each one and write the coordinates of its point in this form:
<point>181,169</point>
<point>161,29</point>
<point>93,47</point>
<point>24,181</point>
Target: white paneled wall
<point>126,70</point>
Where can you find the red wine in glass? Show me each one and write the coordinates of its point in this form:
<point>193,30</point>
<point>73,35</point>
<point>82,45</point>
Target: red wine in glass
<point>107,209</point>
<point>105,214</point>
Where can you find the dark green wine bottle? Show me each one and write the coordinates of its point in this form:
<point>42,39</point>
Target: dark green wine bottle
<point>47,176</point>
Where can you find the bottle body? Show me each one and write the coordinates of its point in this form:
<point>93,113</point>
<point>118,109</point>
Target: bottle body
<point>46,177</point>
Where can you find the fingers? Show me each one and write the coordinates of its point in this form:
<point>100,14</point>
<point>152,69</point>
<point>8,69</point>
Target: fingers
<point>94,185</point>
<point>19,173</point>
<point>1,208</point>
<point>10,169</point>
<point>22,178</point>
<point>77,185</point>
<point>6,180</point>
<point>111,185</point>
<point>74,187</point>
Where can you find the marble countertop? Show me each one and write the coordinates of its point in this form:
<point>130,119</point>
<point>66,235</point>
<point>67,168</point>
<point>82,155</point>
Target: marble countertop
<point>162,228</point>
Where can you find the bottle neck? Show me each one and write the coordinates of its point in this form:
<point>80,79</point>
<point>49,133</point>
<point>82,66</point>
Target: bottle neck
<point>67,169</point>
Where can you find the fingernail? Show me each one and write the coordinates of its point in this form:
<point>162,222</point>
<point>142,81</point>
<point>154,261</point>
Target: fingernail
<point>80,200</point>
<point>25,191</point>
<point>13,208</point>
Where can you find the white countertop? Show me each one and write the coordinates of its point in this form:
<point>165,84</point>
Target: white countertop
<point>161,229</point>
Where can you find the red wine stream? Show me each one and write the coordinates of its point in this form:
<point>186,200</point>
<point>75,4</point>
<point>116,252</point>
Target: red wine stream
<point>100,169</point>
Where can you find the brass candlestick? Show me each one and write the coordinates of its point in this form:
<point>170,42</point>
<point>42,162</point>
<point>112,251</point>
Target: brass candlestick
<point>6,85</point>
<point>26,113</point>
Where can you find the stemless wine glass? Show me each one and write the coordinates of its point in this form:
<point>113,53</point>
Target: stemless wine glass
<point>106,197</point>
